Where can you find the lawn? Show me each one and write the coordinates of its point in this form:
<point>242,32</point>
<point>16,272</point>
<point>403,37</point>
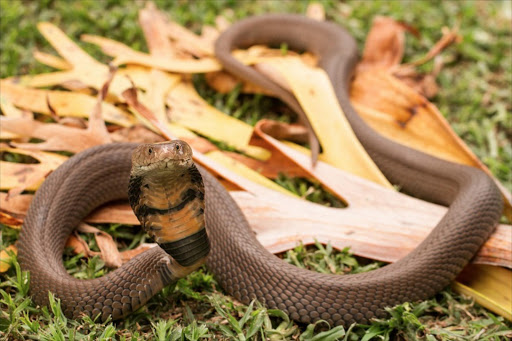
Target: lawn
<point>475,87</point>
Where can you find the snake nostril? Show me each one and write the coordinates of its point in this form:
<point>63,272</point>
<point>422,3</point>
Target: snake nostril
<point>150,150</point>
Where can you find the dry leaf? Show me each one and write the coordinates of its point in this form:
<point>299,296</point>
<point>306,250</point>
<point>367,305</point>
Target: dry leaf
<point>400,114</point>
<point>85,69</point>
<point>384,46</point>
<point>10,221</point>
<point>244,171</point>
<point>225,82</point>
<point>316,96</point>
<point>209,35</point>
<point>125,55</point>
<point>425,84</point>
<point>108,248</point>
<point>372,211</point>
<point>129,254</point>
<point>59,137</point>
<point>489,288</point>
<point>17,177</point>
<point>450,36</point>
<point>316,11</point>
<point>153,25</point>
<point>17,205</point>
<point>137,133</point>
<point>78,245</point>
<point>5,258</point>
<point>188,109</point>
<point>64,103</point>
<point>285,131</point>
<point>190,42</point>
<point>51,60</point>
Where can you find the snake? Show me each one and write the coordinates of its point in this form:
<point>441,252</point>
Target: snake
<point>194,219</point>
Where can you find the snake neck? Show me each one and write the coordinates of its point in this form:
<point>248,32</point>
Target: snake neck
<point>169,204</point>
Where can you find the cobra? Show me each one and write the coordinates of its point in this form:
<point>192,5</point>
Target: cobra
<point>241,265</point>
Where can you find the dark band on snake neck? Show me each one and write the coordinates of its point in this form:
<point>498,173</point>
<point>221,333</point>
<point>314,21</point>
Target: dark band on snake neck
<point>166,193</point>
<point>240,263</point>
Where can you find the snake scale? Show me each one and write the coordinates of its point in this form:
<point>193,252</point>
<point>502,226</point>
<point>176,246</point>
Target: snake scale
<point>240,264</point>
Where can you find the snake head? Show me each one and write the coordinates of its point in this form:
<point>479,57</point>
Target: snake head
<point>169,155</point>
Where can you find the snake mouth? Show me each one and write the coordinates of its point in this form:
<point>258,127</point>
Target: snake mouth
<point>169,165</point>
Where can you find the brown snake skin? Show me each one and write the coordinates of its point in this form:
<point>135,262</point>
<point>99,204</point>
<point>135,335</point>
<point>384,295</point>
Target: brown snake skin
<point>240,264</point>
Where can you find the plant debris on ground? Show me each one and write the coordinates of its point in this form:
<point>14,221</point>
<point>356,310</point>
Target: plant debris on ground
<point>475,97</point>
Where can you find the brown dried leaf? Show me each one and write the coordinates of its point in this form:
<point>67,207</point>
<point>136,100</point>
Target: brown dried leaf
<point>17,205</point>
<point>129,254</point>
<point>384,46</point>
<point>125,55</point>
<point>9,220</point>
<point>58,137</point>
<point>79,245</point>
<point>401,114</point>
<point>130,95</point>
<point>225,82</point>
<point>119,213</point>
<point>108,248</point>
<point>367,216</point>
<point>17,177</point>
<point>450,36</point>
<point>137,133</point>
<point>189,42</point>
<point>285,131</point>
<point>153,25</point>
<point>425,84</point>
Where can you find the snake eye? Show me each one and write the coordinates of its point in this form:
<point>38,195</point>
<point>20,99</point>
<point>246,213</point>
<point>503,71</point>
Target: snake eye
<point>177,147</point>
<point>150,150</point>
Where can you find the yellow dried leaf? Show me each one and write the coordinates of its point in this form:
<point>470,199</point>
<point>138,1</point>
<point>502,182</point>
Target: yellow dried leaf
<point>70,51</point>
<point>316,11</point>
<point>10,221</point>
<point>202,65</point>
<point>125,55</point>
<point>245,171</point>
<point>401,114</point>
<point>490,286</point>
<point>5,258</point>
<point>65,103</point>
<point>189,41</point>
<point>314,92</point>
<point>51,60</point>
<point>188,109</point>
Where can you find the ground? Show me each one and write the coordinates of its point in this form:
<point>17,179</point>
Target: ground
<point>475,87</point>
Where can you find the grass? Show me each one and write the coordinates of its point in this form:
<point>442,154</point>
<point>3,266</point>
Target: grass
<point>475,97</point>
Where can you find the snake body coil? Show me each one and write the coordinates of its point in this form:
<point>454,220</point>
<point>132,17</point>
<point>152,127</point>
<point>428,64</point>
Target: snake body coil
<point>241,265</point>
